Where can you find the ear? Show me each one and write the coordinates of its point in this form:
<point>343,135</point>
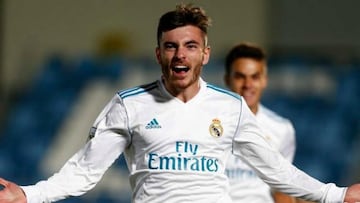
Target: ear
<point>265,81</point>
<point>206,53</point>
<point>264,75</point>
<point>158,55</point>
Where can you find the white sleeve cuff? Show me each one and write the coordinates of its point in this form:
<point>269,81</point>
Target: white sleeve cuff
<point>33,194</point>
<point>335,194</point>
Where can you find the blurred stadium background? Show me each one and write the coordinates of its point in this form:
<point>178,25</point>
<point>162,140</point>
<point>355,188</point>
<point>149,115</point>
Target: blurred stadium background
<point>62,61</point>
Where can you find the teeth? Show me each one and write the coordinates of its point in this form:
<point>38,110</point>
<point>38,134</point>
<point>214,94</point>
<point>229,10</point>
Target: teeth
<point>179,69</point>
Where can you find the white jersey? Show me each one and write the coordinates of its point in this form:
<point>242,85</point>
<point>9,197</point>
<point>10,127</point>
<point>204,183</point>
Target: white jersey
<point>245,185</point>
<point>176,152</point>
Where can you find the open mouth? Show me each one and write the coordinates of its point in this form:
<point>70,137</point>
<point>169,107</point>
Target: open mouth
<point>179,69</point>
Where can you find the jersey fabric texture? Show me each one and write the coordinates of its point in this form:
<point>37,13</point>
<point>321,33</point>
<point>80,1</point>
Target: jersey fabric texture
<point>245,185</point>
<point>176,152</point>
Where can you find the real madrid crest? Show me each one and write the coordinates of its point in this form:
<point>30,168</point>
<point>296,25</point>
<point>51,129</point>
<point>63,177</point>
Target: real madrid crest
<point>215,128</point>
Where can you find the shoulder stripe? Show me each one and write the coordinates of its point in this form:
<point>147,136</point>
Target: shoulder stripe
<point>219,89</point>
<point>137,90</point>
<point>274,115</point>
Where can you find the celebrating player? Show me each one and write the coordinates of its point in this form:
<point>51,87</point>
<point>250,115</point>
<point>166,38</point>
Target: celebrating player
<point>176,134</point>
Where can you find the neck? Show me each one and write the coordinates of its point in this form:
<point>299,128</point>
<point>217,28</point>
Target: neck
<point>184,94</point>
<point>255,109</point>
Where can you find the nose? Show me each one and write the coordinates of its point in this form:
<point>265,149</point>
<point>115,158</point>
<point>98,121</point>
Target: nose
<point>180,53</point>
<point>247,82</point>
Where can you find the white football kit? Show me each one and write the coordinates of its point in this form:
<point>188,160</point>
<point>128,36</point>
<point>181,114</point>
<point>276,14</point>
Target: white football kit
<point>176,152</point>
<point>245,185</point>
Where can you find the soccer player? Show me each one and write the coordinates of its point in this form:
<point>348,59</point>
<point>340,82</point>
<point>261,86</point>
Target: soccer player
<point>246,74</point>
<point>176,134</point>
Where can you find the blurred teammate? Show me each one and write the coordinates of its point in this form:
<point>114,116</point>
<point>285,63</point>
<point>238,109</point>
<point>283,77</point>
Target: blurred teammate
<point>246,74</point>
<point>176,134</point>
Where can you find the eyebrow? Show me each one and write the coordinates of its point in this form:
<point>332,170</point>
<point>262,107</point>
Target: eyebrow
<point>186,43</point>
<point>192,42</point>
<point>242,74</point>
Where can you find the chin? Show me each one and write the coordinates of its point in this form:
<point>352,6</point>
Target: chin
<point>180,84</point>
<point>250,103</point>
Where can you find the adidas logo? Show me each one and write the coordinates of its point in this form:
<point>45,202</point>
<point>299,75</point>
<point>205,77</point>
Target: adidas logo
<point>153,124</point>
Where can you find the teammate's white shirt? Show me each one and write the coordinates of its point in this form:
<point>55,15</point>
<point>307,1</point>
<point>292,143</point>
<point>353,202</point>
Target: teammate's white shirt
<point>176,152</point>
<point>245,185</point>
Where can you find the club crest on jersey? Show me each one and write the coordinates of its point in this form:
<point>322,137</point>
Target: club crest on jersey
<point>215,128</point>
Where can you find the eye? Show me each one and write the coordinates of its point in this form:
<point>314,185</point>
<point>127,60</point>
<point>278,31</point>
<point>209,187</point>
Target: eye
<point>256,76</point>
<point>169,46</point>
<point>192,46</point>
<point>238,75</point>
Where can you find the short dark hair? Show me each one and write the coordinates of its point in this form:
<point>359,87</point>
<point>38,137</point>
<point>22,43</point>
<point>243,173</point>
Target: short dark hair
<point>184,14</point>
<point>243,50</point>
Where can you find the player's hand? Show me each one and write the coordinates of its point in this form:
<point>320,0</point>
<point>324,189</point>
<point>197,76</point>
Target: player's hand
<point>352,194</point>
<point>11,193</point>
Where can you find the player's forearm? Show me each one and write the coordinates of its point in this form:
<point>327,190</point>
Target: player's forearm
<point>80,173</point>
<point>71,180</point>
<point>274,169</point>
<point>55,189</point>
<point>282,176</point>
